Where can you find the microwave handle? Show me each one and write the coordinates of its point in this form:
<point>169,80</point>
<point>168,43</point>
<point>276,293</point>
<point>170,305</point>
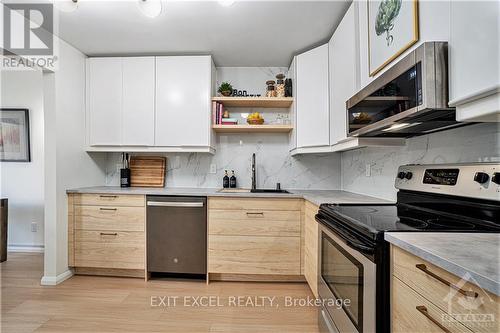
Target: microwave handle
<point>351,241</point>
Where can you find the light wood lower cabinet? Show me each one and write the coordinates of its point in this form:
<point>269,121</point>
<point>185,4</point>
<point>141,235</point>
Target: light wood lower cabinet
<point>104,249</point>
<point>106,234</point>
<point>451,300</point>
<point>254,255</point>
<point>311,243</point>
<point>254,236</point>
<point>414,314</point>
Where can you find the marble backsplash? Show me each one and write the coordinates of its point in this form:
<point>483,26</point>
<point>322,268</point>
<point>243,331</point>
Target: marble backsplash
<point>473,143</point>
<point>234,152</point>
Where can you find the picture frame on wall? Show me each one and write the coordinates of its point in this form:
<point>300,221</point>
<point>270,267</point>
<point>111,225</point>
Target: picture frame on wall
<point>14,135</point>
<point>392,29</point>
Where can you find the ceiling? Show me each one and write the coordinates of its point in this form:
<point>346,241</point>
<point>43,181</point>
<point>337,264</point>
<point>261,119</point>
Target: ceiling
<point>248,33</point>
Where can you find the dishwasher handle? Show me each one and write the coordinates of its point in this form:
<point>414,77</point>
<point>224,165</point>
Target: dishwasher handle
<point>174,204</point>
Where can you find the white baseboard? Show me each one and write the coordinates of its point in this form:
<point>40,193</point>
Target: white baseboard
<point>55,280</point>
<point>25,248</point>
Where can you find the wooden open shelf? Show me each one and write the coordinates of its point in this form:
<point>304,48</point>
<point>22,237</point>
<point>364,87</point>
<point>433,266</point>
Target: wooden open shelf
<point>255,102</point>
<point>252,128</point>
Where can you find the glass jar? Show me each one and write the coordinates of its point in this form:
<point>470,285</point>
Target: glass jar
<point>280,85</point>
<point>270,92</point>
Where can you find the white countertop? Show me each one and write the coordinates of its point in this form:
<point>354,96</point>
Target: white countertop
<point>459,253</point>
<point>315,196</point>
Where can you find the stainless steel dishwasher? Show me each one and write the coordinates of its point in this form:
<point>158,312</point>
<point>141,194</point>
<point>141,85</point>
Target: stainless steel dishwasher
<point>177,234</point>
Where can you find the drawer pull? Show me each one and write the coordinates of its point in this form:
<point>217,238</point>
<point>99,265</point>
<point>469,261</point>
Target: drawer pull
<point>255,214</point>
<point>466,293</point>
<point>423,310</point>
<point>109,234</point>
<point>108,196</point>
<point>109,209</point>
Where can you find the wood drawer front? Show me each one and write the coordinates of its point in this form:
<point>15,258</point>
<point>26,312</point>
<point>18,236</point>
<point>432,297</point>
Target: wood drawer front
<point>254,222</point>
<point>311,249</point>
<point>110,200</point>
<point>104,249</point>
<point>407,318</point>
<point>254,255</point>
<point>404,268</point>
<point>226,203</point>
<point>109,218</point>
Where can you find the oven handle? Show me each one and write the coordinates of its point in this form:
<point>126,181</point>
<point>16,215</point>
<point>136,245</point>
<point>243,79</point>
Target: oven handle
<point>351,241</point>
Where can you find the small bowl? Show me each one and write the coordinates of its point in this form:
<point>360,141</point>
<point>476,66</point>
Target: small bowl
<point>255,121</point>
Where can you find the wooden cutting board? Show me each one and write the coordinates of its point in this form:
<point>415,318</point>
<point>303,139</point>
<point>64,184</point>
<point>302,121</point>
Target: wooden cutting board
<point>148,171</point>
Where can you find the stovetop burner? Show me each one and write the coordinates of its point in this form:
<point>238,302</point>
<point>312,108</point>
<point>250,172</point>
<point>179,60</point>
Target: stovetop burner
<point>447,224</point>
<point>373,221</point>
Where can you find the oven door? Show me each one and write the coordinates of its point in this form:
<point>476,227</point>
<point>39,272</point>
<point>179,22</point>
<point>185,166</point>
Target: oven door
<point>346,284</point>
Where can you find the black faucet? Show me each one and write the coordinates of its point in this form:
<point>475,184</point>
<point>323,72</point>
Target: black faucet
<point>254,183</point>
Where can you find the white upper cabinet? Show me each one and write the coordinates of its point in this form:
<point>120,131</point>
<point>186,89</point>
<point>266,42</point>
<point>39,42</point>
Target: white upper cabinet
<point>343,69</point>
<point>104,87</point>
<point>143,104</point>
<point>311,100</point>
<point>183,101</point>
<point>138,110</point>
<point>474,60</point>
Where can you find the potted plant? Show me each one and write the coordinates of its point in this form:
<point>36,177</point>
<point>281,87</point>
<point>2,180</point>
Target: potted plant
<point>226,89</point>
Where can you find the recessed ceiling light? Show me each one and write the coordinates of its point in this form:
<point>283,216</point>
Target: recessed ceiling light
<point>226,3</point>
<point>150,8</point>
<point>67,6</point>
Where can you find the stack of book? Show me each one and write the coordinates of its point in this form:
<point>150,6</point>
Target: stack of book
<point>229,121</point>
<point>217,112</point>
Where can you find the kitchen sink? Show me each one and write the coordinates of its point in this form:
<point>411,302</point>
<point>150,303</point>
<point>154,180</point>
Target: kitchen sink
<point>244,190</point>
<point>234,190</point>
<point>258,190</point>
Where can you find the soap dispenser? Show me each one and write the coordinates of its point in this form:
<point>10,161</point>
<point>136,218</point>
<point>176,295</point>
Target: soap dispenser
<point>225,180</point>
<point>232,180</point>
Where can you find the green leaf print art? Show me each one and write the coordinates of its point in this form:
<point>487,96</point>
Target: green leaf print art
<point>388,10</point>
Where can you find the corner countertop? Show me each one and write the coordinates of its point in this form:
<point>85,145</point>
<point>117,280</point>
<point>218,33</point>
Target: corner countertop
<point>315,196</point>
<point>459,253</point>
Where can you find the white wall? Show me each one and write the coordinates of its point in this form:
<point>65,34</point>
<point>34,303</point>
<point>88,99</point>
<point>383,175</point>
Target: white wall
<point>67,164</point>
<point>22,183</point>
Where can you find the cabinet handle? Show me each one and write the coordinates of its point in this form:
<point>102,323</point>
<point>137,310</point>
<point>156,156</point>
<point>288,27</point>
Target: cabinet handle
<point>109,234</point>
<point>108,196</point>
<point>261,214</point>
<point>423,310</point>
<point>466,293</point>
<point>109,209</point>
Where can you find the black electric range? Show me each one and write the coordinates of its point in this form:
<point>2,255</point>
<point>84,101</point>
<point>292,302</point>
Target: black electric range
<point>431,198</point>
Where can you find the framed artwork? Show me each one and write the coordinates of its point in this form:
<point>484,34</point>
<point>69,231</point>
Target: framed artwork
<point>14,135</point>
<point>392,29</point>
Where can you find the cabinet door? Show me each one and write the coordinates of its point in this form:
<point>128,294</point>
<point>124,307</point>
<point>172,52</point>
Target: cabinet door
<point>138,114</point>
<point>105,101</point>
<point>311,247</point>
<point>474,59</point>
<point>312,98</point>
<point>343,70</point>
<point>183,93</point>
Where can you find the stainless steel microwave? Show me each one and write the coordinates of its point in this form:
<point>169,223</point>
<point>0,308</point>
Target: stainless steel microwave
<point>409,99</point>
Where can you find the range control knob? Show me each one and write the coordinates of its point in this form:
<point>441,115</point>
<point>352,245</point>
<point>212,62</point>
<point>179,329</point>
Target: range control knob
<point>401,175</point>
<point>496,178</point>
<point>481,177</point>
<point>409,175</point>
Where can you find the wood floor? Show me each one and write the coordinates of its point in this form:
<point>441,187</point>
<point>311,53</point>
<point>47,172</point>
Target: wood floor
<point>104,304</point>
